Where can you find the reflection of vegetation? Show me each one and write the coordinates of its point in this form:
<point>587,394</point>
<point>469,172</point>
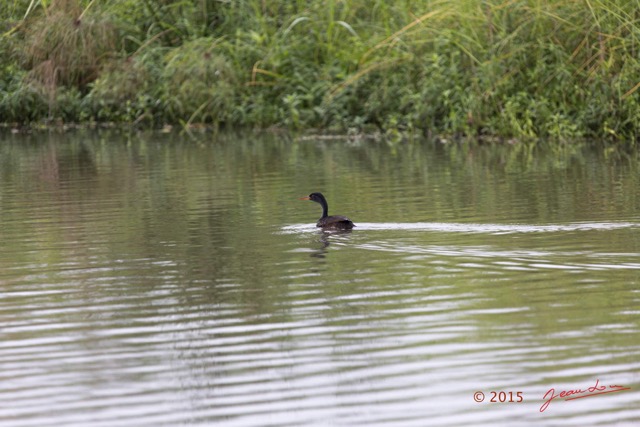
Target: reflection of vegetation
<point>167,230</point>
<point>404,182</point>
<point>545,68</point>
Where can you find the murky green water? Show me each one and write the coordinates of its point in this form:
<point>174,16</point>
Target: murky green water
<point>153,280</point>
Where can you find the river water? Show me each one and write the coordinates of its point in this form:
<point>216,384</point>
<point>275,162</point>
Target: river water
<point>165,279</point>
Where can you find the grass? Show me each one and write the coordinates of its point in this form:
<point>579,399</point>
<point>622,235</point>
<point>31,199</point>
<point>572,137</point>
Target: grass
<point>506,68</point>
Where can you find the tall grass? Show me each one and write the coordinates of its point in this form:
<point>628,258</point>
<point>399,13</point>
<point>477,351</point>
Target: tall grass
<point>509,68</point>
<point>66,46</point>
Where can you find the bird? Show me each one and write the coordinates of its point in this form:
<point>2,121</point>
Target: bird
<point>333,222</point>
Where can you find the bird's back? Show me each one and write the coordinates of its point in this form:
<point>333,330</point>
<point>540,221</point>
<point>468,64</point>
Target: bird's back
<point>335,222</point>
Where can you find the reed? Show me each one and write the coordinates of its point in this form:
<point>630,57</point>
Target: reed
<point>67,45</point>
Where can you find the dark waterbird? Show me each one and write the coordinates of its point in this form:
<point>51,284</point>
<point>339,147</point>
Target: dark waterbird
<point>333,222</point>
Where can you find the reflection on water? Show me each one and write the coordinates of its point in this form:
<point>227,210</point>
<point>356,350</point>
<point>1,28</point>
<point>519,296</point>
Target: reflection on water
<point>156,280</point>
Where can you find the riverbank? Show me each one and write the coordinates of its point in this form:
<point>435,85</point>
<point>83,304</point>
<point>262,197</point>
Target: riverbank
<point>544,69</point>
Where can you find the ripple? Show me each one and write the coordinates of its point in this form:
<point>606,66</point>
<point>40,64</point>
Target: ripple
<point>162,289</point>
<point>447,227</point>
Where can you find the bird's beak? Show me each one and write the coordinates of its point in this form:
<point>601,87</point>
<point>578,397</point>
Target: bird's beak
<point>305,198</point>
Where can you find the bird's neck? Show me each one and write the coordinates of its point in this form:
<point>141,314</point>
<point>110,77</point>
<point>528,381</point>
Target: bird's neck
<point>325,210</point>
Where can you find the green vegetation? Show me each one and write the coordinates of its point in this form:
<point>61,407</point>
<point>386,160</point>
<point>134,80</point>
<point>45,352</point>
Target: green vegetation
<point>509,68</point>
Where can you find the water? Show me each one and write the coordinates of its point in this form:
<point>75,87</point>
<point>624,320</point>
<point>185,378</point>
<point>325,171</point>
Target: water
<point>152,279</point>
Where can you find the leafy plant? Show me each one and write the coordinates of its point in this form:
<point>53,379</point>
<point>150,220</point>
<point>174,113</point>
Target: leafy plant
<point>200,83</point>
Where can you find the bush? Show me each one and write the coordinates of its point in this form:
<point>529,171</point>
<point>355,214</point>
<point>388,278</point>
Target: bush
<point>127,90</point>
<point>199,84</point>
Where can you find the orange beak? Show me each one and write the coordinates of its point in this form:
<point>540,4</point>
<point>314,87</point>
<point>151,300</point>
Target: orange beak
<point>305,198</point>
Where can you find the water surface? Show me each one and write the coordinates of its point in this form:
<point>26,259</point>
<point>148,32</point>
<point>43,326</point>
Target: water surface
<point>152,279</point>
